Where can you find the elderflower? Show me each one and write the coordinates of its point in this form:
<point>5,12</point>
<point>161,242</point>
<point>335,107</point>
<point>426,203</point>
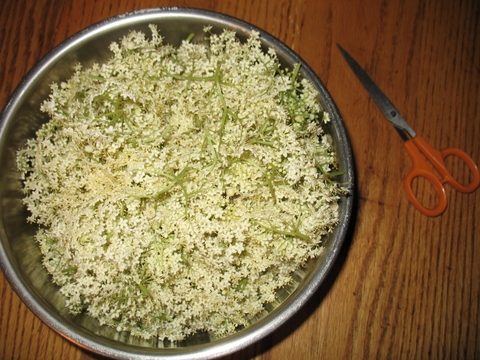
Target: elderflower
<point>177,189</point>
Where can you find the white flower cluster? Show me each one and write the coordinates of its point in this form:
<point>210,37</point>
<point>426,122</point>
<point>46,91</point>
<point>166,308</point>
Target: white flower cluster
<point>177,189</point>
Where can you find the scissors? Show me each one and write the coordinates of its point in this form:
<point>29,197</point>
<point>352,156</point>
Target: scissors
<point>419,150</point>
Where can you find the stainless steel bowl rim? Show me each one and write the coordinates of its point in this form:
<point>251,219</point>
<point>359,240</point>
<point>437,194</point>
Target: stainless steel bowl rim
<point>221,347</point>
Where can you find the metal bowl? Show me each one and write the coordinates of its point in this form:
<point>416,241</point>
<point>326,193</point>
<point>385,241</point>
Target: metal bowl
<point>19,254</point>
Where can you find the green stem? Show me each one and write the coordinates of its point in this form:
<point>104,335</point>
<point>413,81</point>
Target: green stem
<point>296,234</point>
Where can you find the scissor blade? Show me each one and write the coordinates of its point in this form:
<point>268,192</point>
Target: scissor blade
<point>385,105</point>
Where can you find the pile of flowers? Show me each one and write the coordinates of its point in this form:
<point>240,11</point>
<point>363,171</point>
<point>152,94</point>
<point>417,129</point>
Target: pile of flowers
<point>177,188</point>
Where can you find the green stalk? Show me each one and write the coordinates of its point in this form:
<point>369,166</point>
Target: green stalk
<point>296,234</point>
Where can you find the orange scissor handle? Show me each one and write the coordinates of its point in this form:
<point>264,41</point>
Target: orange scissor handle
<point>422,169</point>
<point>419,150</point>
<point>437,159</point>
<point>473,185</point>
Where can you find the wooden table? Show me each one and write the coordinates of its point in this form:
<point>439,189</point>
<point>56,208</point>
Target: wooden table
<point>406,285</point>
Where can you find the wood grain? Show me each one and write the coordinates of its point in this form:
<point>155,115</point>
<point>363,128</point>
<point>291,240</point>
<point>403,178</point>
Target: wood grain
<point>405,286</point>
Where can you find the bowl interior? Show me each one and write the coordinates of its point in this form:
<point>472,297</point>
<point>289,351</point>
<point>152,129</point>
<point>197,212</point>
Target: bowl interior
<point>19,253</point>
